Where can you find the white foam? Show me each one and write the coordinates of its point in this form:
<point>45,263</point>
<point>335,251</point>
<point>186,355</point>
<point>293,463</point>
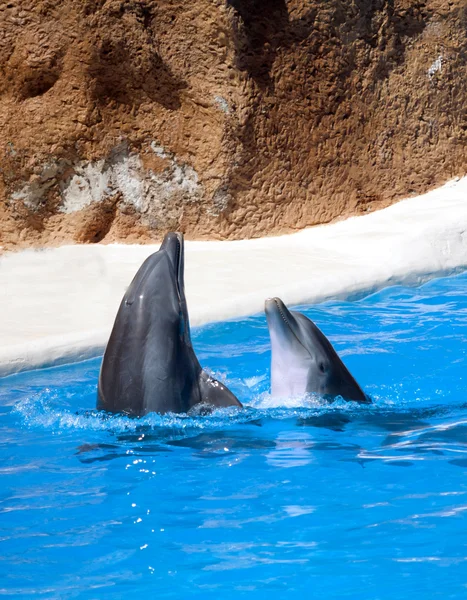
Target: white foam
<point>59,304</point>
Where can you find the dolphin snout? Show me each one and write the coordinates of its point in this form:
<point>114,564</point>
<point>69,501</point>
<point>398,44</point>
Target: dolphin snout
<point>171,238</point>
<point>272,310</point>
<point>269,302</point>
<point>274,305</point>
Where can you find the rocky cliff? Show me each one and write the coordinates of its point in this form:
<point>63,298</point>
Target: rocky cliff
<point>122,119</point>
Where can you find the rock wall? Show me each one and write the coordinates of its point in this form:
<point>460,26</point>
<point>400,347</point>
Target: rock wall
<point>122,119</point>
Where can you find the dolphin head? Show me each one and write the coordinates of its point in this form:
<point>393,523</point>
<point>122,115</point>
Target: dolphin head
<point>157,293</point>
<point>303,359</point>
<point>149,363</point>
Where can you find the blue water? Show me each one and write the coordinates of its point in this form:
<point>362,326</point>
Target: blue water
<point>295,499</point>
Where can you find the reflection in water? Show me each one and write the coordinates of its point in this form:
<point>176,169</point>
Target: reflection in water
<point>293,449</point>
<point>334,421</point>
<point>410,436</point>
<point>421,441</point>
<point>222,442</point>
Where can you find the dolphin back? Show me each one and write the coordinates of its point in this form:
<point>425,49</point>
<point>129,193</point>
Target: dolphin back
<point>215,393</point>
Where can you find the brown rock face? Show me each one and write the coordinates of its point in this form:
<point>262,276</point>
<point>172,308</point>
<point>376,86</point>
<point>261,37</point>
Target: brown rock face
<point>122,119</point>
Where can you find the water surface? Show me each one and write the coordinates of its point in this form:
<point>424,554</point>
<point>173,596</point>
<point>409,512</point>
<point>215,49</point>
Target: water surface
<point>296,498</point>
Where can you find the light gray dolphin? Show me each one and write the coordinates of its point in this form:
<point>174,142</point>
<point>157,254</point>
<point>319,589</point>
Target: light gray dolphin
<point>303,359</point>
<point>149,364</point>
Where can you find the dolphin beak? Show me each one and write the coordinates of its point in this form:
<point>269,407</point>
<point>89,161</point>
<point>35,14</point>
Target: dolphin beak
<point>171,239</point>
<point>275,306</point>
<point>278,316</point>
<point>173,245</point>
<point>270,304</point>
<point>270,309</point>
<point>275,315</point>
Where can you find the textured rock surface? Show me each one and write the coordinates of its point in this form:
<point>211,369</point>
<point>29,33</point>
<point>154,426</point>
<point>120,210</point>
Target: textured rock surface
<point>122,119</point>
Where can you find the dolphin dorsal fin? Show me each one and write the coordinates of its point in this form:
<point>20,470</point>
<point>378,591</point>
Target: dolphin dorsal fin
<point>215,393</point>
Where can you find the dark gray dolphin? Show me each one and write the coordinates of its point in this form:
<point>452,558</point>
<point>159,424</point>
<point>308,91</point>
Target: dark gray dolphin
<point>149,364</point>
<point>303,359</point>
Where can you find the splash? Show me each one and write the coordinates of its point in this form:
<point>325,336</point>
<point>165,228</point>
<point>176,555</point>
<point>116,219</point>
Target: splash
<point>52,410</point>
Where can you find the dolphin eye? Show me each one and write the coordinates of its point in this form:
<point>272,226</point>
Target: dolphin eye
<point>322,368</point>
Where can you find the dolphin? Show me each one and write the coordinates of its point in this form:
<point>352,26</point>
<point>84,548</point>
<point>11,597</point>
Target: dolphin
<point>149,364</point>
<point>303,359</point>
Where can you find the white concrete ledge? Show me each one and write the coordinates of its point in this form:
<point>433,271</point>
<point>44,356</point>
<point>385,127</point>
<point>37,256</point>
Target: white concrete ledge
<point>58,305</point>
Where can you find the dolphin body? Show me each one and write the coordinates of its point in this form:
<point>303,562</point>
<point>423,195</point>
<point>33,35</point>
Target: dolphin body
<point>149,364</point>
<point>303,359</point>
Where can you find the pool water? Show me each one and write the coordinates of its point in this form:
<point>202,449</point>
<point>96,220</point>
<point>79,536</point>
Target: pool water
<point>293,498</point>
